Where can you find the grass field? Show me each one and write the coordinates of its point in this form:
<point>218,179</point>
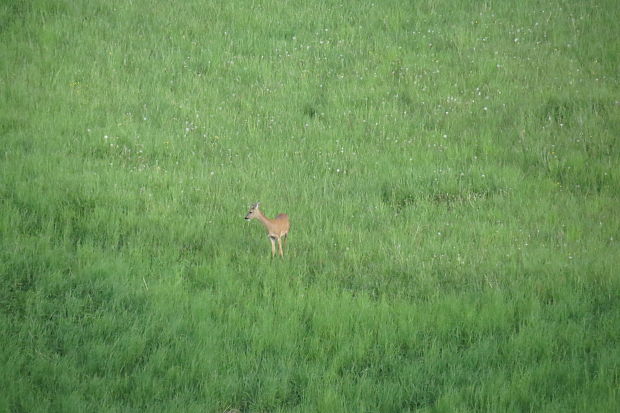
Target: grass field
<point>450,169</point>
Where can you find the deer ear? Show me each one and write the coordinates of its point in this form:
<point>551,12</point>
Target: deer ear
<point>257,205</point>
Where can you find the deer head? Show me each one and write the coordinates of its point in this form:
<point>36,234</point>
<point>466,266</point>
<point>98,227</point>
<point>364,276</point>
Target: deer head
<point>253,212</point>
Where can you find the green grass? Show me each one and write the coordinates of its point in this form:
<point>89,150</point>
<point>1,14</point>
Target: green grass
<point>450,170</point>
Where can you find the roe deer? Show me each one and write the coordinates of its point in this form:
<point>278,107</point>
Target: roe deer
<point>277,228</point>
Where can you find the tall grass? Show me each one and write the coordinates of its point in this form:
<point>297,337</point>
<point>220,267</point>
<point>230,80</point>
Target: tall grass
<point>450,170</point>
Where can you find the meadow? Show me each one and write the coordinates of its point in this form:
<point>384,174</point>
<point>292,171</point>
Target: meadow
<point>450,169</point>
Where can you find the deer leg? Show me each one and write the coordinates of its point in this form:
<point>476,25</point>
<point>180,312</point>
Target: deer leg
<point>280,247</point>
<point>273,246</point>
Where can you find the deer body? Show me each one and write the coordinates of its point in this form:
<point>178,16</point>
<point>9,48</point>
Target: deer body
<point>277,228</point>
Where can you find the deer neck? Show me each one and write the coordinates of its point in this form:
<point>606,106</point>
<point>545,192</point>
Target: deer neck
<point>263,219</point>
